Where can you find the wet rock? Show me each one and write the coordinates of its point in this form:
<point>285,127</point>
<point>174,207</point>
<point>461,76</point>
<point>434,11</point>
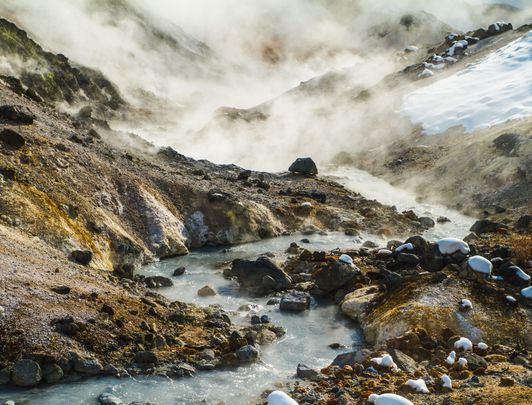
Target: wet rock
<point>486,226</point>
<point>144,358</point>
<point>253,275</point>
<point>109,399</point>
<point>247,354</point>
<point>16,114</point>
<point>513,274</point>
<point>335,275</point>
<point>427,222</point>
<point>392,280</point>
<point>87,366</point>
<point>26,373</point>
<point>52,373</point>
<point>304,166</point>
<point>295,301</point>
<point>523,223</point>
<point>5,375</point>
<point>206,291</point>
<point>265,319</point>
<point>179,271</point>
<point>306,373</point>
<point>83,257</point>
<point>408,258</point>
<point>499,28</point>
<point>158,282</point>
<point>12,138</point>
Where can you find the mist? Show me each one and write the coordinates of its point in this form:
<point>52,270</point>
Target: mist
<point>180,63</point>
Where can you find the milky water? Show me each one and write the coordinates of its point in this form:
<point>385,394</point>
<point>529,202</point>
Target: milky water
<point>308,334</point>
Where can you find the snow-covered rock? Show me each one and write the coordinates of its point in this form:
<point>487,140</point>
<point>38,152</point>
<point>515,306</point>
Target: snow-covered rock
<point>280,398</point>
<point>521,274</point>
<point>463,344</point>
<point>527,292</point>
<point>446,382</point>
<point>426,73</point>
<point>386,361</point>
<point>2,312</point>
<point>451,358</point>
<point>411,49</point>
<point>418,385</point>
<point>449,246</point>
<point>462,44</point>
<point>466,304</point>
<point>459,99</point>
<point>482,346</point>
<point>405,246</point>
<point>480,264</point>
<point>346,259</point>
<point>388,399</point>
<point>462,362</point>
<point>306,205</point>
<point>511,299</point>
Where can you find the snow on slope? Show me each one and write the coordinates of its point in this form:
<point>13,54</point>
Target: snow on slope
<point>489,92</point>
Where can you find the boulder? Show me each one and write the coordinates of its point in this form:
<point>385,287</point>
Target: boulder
<point>357,303</point>
<point>403,361</point>
<point>87,365</point>
<point>12,138</point>
<point>247,354</point>
<point>351,358</point>
<point>179,271</point>
<point>486,226</point>
<point>304,166</point>
<point>427,222</point>
<point>52,373</point>
<point>408,258</point>
<point>523,223</point>
<point>145,358</point>
<point>499,28</point>
<point>257,276</point>
<point>16,114</point>
<point>334,276</point>
<point>513,274</point>
<point>474,361</point>
<point>295,301</point>
<point>306,373</point>
<point>109,399</point>
<point>26,373</point>
<point>158,282</point>
<point>83,257</point>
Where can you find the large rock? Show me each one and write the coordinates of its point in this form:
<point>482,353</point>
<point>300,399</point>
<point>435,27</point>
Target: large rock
<point>334,276</point>
<point>295,301</point>
<point>486,226</point>
<point>109,399</point>
<point>247,354</point>
<point>26,373</point>
<point>12,138</point>
<point>83,257</point>
<point>158,282</point>
<point>16,114</point>
<point>257,276</point>
<point>304,166</point>
<point>145,357</point>
<point>52,373</point>
<point>356,304</point>
<point>87,366</point>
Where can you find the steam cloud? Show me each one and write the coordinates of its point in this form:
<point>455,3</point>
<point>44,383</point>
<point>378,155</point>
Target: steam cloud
<point>179,62</point>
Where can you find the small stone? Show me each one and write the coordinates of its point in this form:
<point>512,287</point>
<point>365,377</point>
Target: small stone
<point>83,257</point>
<point>206,291</point>
<point>61,289</point>
<point>179,271</point>
<point>145,357</point>
<point>296,301</point>
<point>306,373</point>
<point>265,319</point>
<point>304,166</point>
<point>12,138</point>
<point>109,399</point>
<point>247,354</point>
<point>507,382</point>
<point>255,320</point>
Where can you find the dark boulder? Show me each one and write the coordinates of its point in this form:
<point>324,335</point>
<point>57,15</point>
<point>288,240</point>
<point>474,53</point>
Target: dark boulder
<point>304,166</point>
<point>158,282</point>
<point>486,226</point>
<point>523,223</point>
<point>12,138</point>
<point>334,276</point>
<point>259,276</point>
<point>145,357</point>
<point>247,354</point>
<point>295,301</point>
<point>83,257</point>
<point>179,271</point>
<point>508,144</point>
<point>513,274</point>
<point>16,114</point>
<point>499,28</point>
<point>26,373</point>
<point>306,373</point>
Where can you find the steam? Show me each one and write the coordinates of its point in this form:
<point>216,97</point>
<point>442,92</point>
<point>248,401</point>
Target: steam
<point>179,62</point>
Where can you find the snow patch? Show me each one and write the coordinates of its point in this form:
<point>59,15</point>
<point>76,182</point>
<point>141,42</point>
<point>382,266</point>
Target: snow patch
<point>463,344</point>
<point>280,398</point>
<point>482,346</point>
<point>449,246</point>
<point>446,382</point>
<point>451,358</point>
<point>480,264</point>
<point>388,399</point>
<point>462,362</point>
<point>489,92</point>
<point>466,304</point>
<point>418,385</point>
<point>385,361</point>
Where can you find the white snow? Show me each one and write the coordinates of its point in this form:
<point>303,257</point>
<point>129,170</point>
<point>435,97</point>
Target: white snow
<point>451,358</point>
<point>462,362</point>
<point>466,304</point>
<point>527,292</point>
<point>464,344</point>
<point>346,259</point>
<point>497,278</point>
<point>458,44</point>
<point>306,205</point>
<point>448,246</point>
<point>493,90</point>
<point>388,399</point>
<point>480,264</point>
<point>280,398</point>
<point>509,298</point>
<point>482,346</point>
<point>406,246</point>
<point>426,73</point>
<point>446,382</point>
<point>385,361</point>
<point>522,275</point>
<point>418,385</point>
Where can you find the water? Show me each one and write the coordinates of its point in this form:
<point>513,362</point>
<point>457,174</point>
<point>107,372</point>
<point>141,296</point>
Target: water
<point>308,334</point>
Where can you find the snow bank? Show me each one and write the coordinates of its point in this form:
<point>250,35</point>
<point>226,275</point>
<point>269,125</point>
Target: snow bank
<point>280,398</point>
<point>388,399</point>
<point>464,344</point>
<point>449,246</point>
<point>418,385</point>
<point>487,93</point>
<point>480,264</point>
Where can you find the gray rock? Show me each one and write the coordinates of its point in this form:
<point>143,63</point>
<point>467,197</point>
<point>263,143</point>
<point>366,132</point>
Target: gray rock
<point>307,373</point>
<point>12,138</point>
<point>109,399</point>
<point>486,226</point>
<point>16,114</point>
<point>158,282</point>
<point>408,258</point>
<point>474,361</point>
<point>334,276</point>
<point>26,373</point>
<point>83,257</point>
<point>295,301</point>
<point>247,354</point>
<point>87,366</point>
<point>52,373</point>
<point>179,271</point>
<point>351,358</point>
<point>145,357</point>
<point>427,222</point>
<point>5,375</point>
<point>256,275</point>
<point>403,361</point>
<point>206,291</point>
<point>304,166</point>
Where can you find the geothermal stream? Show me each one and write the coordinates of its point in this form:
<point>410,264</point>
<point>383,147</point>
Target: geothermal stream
<point>308,334</point>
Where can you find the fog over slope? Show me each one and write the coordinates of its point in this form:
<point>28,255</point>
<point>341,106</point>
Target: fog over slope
<point>178,63</point>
